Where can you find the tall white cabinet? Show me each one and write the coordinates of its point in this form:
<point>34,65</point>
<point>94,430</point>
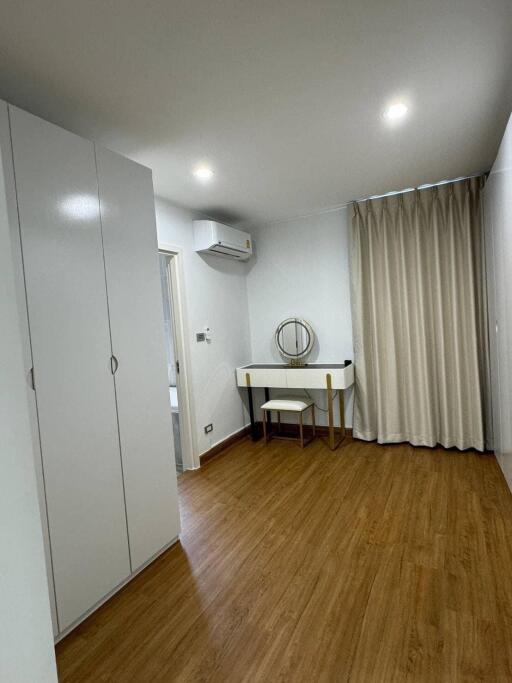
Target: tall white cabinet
<point>12,210</point>
<point>498,232</point>
<point>88,256</point>
<point>131,254</point>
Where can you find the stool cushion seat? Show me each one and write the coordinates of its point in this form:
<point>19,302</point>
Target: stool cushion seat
<point>295,405</point>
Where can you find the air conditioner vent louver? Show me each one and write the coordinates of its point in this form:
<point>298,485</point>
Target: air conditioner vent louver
<point>211,237</point>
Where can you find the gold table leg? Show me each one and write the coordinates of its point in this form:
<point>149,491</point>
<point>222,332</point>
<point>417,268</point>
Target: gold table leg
<point>330,410</point>
<point>341,400</point>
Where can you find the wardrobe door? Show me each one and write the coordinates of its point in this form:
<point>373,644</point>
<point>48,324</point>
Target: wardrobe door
<point>60,231</point>
<point>136,322</point>
<point>8,173</point>
<point>498,193</point>
<point>490,229</point>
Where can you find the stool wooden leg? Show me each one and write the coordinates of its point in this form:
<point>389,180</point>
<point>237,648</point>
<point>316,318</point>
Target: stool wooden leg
<point>279,422</point>
<point>265,426</point>
<point>313,419</point>
<point>301,429</point>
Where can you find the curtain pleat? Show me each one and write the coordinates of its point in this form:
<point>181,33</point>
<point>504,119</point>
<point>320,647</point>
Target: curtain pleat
<point>419,306</point>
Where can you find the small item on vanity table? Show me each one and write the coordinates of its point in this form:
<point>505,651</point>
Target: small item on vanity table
<point>295,339</point>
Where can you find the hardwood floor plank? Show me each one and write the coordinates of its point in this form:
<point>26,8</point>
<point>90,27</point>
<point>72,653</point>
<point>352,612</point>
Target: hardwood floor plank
<point>371,563</point>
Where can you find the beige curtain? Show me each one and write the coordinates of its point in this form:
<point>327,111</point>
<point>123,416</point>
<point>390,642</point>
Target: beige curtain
<point>420,317</point>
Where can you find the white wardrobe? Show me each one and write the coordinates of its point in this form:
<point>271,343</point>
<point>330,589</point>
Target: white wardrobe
<point>498,233</point>
<point>84,231</point>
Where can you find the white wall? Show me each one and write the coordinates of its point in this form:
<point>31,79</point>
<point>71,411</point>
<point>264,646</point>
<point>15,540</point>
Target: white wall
<point>498,228</point>
<point>215,296</point>
<point>26,639</point>
<point>301,268</point>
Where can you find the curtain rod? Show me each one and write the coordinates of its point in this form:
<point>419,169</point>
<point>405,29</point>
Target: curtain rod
<point>345,205</point>
<point>425,186</point>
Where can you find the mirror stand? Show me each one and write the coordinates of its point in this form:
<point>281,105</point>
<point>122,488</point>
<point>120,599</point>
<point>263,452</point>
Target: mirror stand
<point>294,339</point>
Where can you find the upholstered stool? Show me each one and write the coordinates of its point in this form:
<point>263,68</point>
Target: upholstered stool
<point>288,405</point>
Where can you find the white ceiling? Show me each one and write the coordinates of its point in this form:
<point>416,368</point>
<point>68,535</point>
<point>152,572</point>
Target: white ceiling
<point>282,97</point>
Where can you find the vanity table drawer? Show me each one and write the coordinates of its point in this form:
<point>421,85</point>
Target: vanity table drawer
<point>306,378</point>
<point>316,378</point>
<point>273,378</point>
<point>342,378</point>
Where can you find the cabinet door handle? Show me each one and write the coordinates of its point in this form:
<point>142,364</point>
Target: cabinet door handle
<point>32,382</point>
<point>114,364</point>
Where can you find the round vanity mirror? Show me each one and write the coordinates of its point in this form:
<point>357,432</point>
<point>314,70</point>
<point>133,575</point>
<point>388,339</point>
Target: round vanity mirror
<point>294,339</point>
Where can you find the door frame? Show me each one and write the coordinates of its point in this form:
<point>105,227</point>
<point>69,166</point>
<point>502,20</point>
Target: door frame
<point>177,299</point>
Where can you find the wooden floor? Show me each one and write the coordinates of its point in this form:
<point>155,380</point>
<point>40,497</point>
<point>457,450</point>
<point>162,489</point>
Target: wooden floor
<point>367,564</point>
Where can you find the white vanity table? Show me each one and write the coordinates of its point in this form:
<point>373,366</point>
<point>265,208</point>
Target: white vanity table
<point>328,376</point>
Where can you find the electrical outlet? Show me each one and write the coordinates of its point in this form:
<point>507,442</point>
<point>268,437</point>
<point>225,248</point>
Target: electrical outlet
<point>208,428</point>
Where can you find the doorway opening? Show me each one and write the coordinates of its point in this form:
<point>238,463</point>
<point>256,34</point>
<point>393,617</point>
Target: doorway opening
<point>173,360</point>
<point>178,356</point>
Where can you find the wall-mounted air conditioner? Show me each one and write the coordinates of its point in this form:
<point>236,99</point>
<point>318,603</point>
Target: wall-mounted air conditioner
<point>211,237</point>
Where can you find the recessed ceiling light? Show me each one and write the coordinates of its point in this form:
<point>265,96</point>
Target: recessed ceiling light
<point>203,173</point>
<point>396,111</point>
